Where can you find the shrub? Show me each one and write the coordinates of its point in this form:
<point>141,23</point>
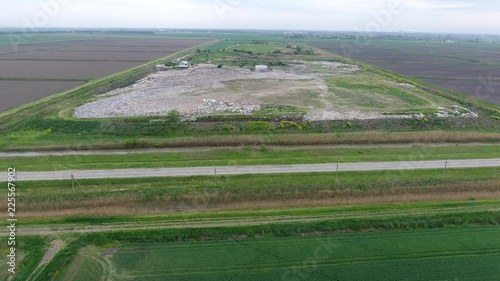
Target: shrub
<point>173,117</point>
<point>131,143</point>
<point>229,128</point>
<point>259,126</point>
<point>290,124</point>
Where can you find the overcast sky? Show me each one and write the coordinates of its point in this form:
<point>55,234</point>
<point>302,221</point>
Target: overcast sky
<point>458,16</point>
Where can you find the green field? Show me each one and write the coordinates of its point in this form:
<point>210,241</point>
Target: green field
<point>369,92</point>
<point>259,48</point>
<point>448,254</point>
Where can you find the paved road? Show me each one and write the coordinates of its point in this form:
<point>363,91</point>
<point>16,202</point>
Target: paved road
<point>246,170</point>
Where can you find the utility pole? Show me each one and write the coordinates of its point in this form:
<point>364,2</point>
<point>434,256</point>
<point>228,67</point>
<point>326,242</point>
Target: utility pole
<point>73,182</point>
<point>337,174</point>
<point>445,167</point>
<point>79,185</point>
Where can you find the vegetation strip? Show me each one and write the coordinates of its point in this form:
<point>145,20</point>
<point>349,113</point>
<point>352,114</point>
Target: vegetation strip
<point>251,156</point>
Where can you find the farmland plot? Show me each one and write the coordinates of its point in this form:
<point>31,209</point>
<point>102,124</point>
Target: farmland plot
<point>462,67</point>
<point>453,254</point>
<point>61,65</point>
<point>12,94</point>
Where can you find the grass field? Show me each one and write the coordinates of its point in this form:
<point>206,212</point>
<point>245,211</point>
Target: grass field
<point>450,254</point>
<point>251,156</point>
<point>368,91</point>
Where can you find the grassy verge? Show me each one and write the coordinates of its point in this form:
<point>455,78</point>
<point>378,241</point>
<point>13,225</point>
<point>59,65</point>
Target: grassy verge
<point>48,140</point>
<point>249,156</point>
<point>361,211</point>
<point>122,197</point>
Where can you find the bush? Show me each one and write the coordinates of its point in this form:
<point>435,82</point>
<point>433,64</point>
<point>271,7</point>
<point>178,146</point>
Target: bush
<point>229,128</point>
<point>219,66</point>
<point>173,117</point>
<point>131,143</point>
<point>259,126</point>
<point>291,124</point>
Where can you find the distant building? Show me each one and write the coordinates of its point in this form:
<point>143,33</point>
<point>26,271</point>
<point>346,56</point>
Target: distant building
<point>261,68</point>
<point>184,64</point>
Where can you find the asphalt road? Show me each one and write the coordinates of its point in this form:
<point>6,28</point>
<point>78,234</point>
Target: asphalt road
<point>246,170</point>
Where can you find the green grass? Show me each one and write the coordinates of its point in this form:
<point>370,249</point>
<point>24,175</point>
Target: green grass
<point>445,254</point>
<point>258,48</point>
<point>159,196</point>
<point>86,266</point>
<point>372,92</point>
<point>365,211</point>
<point>29,251</point>
<point>251,156</point>
<point>126,134</point>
